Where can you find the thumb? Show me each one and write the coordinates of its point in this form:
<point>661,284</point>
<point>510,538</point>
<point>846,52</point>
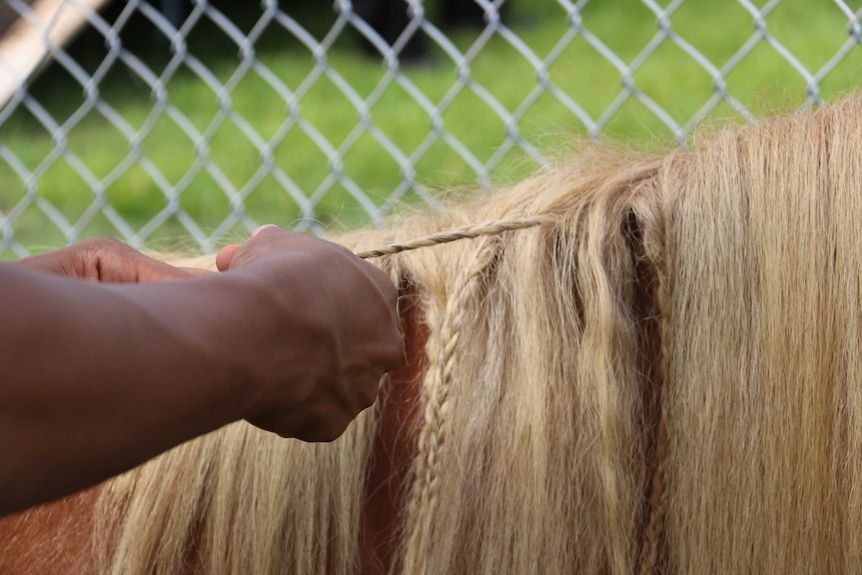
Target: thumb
<point>225,256</point>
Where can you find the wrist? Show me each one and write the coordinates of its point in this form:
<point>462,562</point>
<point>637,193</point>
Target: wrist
<point>195,356</point>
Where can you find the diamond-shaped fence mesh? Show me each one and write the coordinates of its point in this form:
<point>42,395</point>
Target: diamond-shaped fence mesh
<point>189,123</point>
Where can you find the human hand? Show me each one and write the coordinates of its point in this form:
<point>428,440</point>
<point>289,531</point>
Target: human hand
<point>330,330</point>
<point>105,260</point>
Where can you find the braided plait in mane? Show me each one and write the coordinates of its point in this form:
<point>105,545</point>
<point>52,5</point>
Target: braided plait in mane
<point>443,345</point>
<point>654,246</point>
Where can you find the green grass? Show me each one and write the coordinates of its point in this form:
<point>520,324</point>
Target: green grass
<point>813,30</point>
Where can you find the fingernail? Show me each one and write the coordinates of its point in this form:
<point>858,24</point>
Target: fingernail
<point>261,228</point>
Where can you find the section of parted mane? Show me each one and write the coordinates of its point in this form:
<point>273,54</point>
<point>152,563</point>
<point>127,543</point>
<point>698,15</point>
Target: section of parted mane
<point>531,454</point>
<point>764,399</point>
<point>532,457</point>
<point>238,501</point>
<point>662,374</point>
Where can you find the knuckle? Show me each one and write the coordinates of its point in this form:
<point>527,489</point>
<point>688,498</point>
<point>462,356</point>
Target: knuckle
<point>368,393</point>
<point>396,353</point>
<point>104,245</point>
<point>334,430</point>
<point>324,433</point>
<point>104,241</point>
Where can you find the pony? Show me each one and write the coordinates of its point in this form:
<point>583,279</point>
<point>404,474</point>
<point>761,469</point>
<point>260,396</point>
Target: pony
<point>627,363</point>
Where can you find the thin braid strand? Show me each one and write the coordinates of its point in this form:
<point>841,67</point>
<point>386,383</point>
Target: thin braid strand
<point>423,500</point>
<point>489,228</point>
<point>650,552</point>
<point>650,555</point>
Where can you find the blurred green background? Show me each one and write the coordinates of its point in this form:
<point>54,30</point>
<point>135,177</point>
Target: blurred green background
<point>36,164</point>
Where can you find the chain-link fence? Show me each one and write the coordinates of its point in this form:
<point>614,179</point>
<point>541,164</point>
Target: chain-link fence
<point>157,121</point>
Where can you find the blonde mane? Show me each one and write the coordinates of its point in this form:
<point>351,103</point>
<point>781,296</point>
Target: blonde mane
<point>662,372</point>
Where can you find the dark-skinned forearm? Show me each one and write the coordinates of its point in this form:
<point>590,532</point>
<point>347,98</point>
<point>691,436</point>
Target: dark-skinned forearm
<point>99,378</point>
